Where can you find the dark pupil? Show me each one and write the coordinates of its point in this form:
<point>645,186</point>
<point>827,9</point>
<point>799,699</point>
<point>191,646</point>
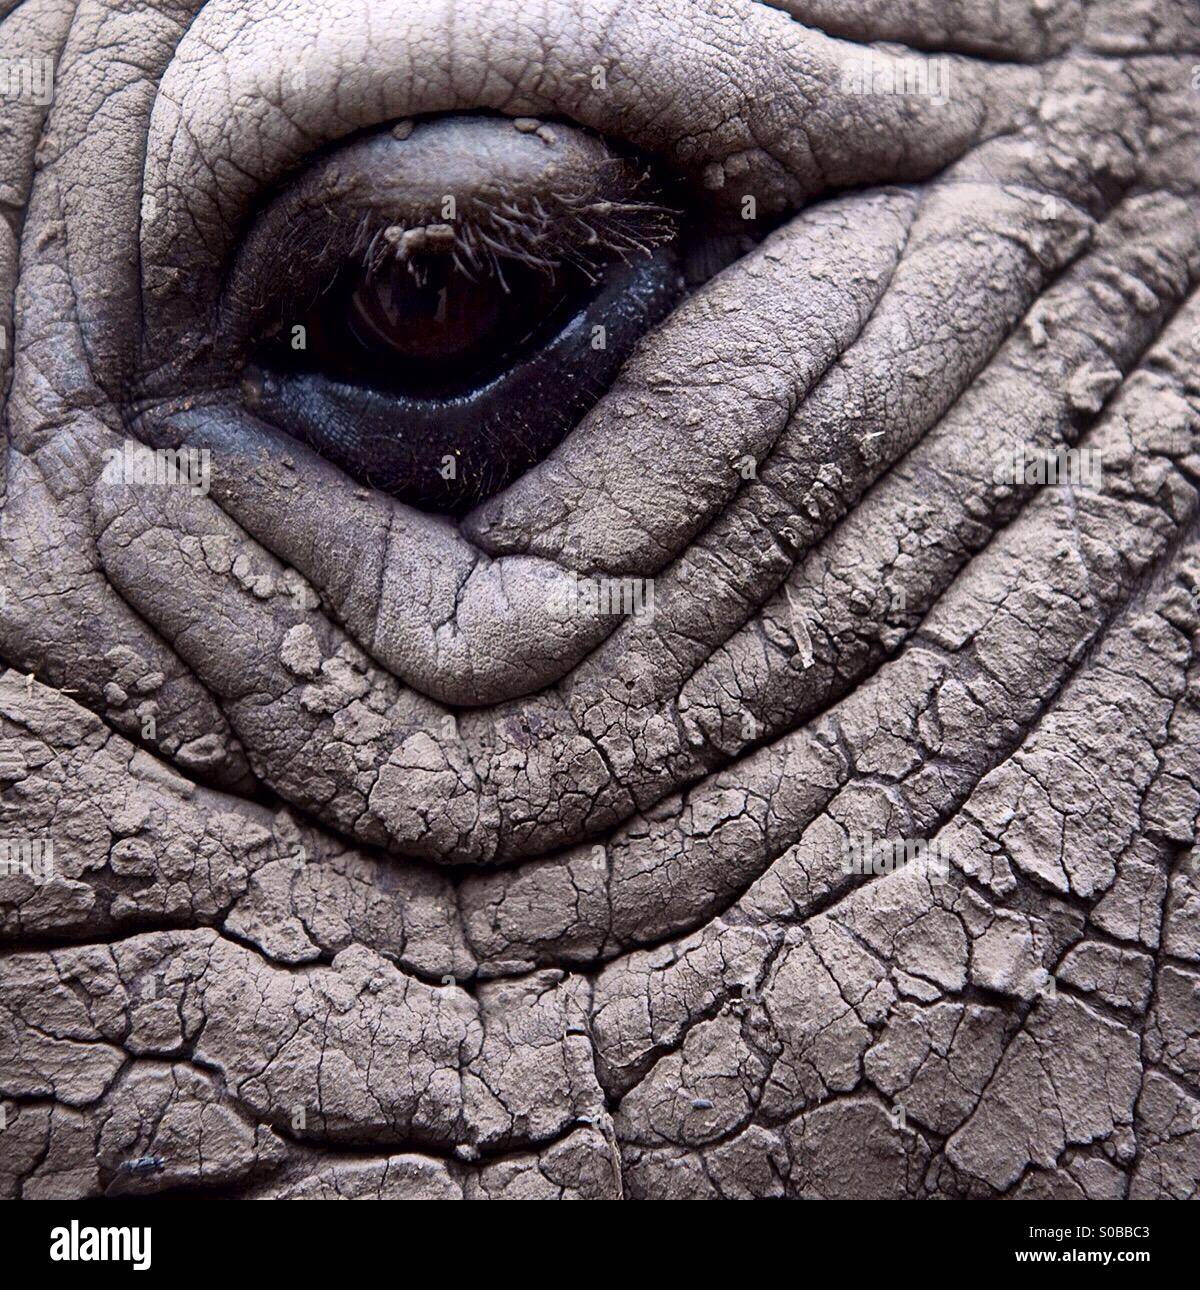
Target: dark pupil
<point>445,317</point>
<point>431,327</point>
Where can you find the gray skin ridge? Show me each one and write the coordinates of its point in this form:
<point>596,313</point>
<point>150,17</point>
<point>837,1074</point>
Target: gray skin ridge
<point>367,873</point>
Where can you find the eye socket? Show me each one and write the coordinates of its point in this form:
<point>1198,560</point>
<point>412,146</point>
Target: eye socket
<point>438,358</point>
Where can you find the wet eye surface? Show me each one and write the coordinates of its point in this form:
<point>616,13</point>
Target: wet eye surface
<point>434,308</point>
<point>421,325</point>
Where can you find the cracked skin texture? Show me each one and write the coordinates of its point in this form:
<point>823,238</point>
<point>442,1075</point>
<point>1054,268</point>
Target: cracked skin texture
<point>409,890</point>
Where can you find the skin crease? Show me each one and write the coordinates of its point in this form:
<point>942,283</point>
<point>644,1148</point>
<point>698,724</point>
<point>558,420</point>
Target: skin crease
<point>372,874</point>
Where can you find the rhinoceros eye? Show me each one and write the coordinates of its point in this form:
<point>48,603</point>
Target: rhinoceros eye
<point>437,343</point>
<point>424,326</point>
<point>435,325</point>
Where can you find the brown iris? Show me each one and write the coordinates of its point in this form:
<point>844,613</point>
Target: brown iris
<point>426,323</point>
<point>445,318</point>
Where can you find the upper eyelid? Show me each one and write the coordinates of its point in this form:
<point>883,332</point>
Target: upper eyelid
<point>691,87</point>
<point>569,202</point>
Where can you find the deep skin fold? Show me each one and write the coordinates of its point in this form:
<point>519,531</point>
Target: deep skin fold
<point>730,1011</point>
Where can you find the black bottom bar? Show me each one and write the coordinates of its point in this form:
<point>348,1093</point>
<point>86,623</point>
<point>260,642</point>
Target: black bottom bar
<point>200,1238</point>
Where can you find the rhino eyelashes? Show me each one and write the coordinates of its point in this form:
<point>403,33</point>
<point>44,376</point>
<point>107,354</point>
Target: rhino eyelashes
<point>451,298</point>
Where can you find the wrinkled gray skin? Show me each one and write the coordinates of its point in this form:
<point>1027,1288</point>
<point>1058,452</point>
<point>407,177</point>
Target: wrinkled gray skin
<point>408,888</point>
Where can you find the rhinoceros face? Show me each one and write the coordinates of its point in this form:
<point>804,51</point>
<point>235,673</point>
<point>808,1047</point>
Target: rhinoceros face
<point>600,598</point>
